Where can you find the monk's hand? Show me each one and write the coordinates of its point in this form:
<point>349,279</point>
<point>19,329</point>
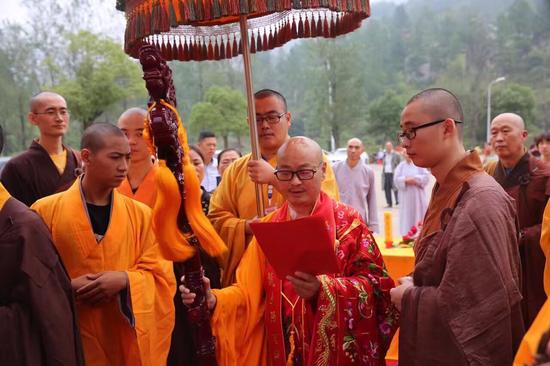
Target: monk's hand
<point>396,293</point>
<point>188,297</point>
<point>247,229</point>
<point>79,282</point>
<point>410,181</point>
<point>103,287</point>
<point>261,172</point>
<point>306,285</point>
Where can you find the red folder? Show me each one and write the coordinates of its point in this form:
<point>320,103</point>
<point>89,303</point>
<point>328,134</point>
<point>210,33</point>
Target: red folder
<point>304,245</point>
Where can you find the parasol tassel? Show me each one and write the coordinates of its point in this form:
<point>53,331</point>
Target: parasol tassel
<point>301,28</point>
<point>252,43</point>
<point>307,27</point>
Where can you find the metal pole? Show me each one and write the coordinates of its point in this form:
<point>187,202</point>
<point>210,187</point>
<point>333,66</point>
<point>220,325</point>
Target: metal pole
<point>254,142</point>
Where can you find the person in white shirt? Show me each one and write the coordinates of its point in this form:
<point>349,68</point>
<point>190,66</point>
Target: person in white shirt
<point>390,161</point>
<point>207,144</point>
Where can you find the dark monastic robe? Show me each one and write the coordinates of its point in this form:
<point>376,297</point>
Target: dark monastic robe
<point>32,174</point>
<point>464,307</point>
<point>528,184</point>
<point>38,324</point>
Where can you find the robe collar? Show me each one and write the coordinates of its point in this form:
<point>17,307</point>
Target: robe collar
<point>4,195</point>
<point>519,175</point>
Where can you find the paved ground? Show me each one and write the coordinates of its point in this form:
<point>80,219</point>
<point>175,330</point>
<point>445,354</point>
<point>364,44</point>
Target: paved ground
<point>381,200</point>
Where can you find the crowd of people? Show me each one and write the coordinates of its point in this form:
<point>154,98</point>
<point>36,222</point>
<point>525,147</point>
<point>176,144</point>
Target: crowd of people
<point>84,278</point>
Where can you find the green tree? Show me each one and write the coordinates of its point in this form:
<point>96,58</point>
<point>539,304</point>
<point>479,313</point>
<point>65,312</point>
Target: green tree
<point>100,76</point>
<point>517,99</point>
<point>384,115</point>
<point>222,111</point>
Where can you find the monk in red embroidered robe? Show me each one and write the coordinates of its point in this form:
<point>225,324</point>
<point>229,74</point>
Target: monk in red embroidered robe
<point>339,319</point>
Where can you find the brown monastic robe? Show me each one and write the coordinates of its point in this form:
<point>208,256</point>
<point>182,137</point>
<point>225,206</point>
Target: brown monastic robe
<point>529,186</point>
<point>464,307</point>
<point>38,324</point>
<point>32,174</point>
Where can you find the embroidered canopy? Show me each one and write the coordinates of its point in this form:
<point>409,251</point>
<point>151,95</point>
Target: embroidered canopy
<point>196,30</point>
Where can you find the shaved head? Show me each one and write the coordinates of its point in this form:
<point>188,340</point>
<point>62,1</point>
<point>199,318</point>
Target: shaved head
<point>355,140</point>
<point>511,118</point>
<point>440,103</point>
<point>139,112</point>
<point>94,136</point>
<point>36,101</point>
<point>304,145</point>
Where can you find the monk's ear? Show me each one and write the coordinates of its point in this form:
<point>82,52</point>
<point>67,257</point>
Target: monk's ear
<point>289,118</point>
<point>31,117</point>
<point>85,155</point>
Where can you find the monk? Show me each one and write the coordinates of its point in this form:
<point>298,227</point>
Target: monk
<point>336,319</point>
<point>526,179</point>
<point>534,341</point>
<point>462,304</point>
<point>113,259</point>
<point>233,203</point>
<point>140,181</point>
<point>38,324</point>
<point>47,166</point>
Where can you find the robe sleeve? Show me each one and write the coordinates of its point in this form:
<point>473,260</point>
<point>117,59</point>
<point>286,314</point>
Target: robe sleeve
<point>329,185</point>
<point>423,177</point>
<point>224,215</point>
<point>151,288</point>
<point>372,204</point>
<point>237,321</point>
<point>15,183</point>
<point>399,178</point>
<point>480,272</point>
<point>355,319</point>
<point>545,245</point>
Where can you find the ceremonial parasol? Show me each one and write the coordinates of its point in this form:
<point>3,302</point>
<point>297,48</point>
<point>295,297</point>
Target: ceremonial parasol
<point>197,30</point>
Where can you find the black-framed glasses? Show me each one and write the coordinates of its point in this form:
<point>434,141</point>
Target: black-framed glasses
<point>285,175</point>
<point>64,113</point>
<point>410,133</point>
<point>270,118</point>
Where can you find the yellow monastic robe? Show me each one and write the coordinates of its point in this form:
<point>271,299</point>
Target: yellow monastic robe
<point>108,337</point>
<point>234,202</point>
<point>541,324</point>
<point>147,190</point>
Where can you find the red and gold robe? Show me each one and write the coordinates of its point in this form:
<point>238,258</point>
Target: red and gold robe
<point>109,336</point>
<point>351,322</point>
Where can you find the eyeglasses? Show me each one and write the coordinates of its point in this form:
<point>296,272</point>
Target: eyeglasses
<point>410,133</point>
<point>285,175</point>
<point>52,113</point>
<point>270,118</point>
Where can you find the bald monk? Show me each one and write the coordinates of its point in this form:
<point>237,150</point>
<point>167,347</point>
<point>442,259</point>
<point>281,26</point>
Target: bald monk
<point>47,166</point>
<point>462,304</point>
<point>334,319</point>
<point>534,341</point>
<point>140,181</point>
<point>233,203</point>
<point>107,244</point>
<point>526,179</point>
<point>38,324</point>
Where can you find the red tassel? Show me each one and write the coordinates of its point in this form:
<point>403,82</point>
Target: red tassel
<point>293,27</point>
<point>307,27</point>
<point>252,43</point>
<point>300,28</point>
<point>235,47</point>
<point>271,40</point>
<point>179,51</point>
<point>279,36</point>
<point>333,28</point>
<point>259,43</point>
<point>326,30</point>
<point>240,48</point>
<point>204,51</point>
<point>265,45</point>
<point>228,51</point>
<point>216,50</point>
<point>319,27</point>
<point>222,49</point>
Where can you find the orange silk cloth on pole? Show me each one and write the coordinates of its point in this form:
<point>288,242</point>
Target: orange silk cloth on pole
<point>128,245</point>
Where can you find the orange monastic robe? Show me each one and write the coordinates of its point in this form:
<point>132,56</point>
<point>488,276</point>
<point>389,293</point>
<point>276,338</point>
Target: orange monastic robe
<point>234,202</point>
<point>147,190</point>
<point>110,337</point>
<point>541,324</point>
